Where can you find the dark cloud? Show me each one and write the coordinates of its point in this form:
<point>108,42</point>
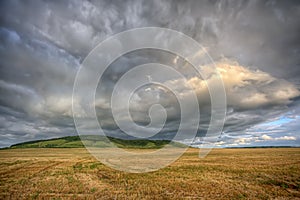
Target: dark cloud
<point>255,44</point>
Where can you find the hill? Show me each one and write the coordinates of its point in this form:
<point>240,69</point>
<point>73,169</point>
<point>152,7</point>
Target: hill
<point>95,141</point>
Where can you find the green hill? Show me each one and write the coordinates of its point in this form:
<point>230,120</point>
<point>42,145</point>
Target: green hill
<point>95,141</point>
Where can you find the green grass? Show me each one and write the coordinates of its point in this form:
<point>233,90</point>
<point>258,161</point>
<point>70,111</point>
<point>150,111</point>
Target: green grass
<point>95,141</point>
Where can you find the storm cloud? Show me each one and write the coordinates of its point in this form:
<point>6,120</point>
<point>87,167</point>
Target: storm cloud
<point>255,46</point>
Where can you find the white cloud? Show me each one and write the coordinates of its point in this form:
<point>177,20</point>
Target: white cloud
<point>286,138</point>
<point>266,137</point>
<point>246,88</point>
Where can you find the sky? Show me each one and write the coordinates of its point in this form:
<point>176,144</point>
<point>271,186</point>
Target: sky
<point>255,46</point>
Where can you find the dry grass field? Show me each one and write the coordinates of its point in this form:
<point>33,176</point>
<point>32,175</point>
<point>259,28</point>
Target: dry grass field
<point>223,174</point>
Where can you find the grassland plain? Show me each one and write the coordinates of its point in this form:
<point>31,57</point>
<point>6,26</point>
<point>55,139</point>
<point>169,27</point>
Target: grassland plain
<point>72,173</point>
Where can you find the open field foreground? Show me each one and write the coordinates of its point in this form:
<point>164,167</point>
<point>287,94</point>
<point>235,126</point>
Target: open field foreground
<point>223,174</point>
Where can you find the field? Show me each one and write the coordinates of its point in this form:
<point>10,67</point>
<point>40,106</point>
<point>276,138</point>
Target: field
<point>72,173</point>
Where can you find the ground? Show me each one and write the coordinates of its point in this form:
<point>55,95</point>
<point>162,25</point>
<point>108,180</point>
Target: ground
<point>72,173</point>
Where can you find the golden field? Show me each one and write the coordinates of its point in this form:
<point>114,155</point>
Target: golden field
<point>72,173</point>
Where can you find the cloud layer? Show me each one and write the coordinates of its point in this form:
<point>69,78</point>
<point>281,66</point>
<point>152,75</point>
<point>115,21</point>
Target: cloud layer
<point>255,45</point>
